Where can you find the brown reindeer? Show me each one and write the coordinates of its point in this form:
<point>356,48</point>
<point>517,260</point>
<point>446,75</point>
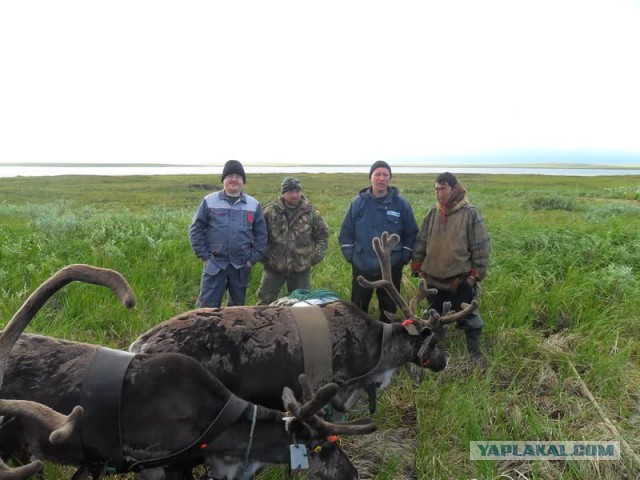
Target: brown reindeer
<point>247,347</point>
<point>167,413</point>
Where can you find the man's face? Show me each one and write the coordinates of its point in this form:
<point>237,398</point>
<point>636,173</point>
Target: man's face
<point>443,193</point>
<point>380,181</point>
<point>233,184</point>
<point>292,196</point>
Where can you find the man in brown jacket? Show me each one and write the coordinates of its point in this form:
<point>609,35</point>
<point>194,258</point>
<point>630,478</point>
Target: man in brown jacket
<point>452,254</point>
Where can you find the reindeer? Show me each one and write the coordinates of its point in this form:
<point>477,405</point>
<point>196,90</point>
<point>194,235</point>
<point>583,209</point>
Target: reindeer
<point>168,412</point>
<point>248,348</point>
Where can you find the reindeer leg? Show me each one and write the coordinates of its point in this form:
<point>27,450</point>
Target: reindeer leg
<point>416,373</point>
<point>372,391</point>
<point>81,473</point>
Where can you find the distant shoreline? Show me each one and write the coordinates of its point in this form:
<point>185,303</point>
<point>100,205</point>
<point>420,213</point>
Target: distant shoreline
<point>558,166</point>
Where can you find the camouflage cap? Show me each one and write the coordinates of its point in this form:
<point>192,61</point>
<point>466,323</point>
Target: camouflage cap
<point>290,183</point>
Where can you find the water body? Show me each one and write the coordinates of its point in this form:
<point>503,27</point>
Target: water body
<point>113,170</point>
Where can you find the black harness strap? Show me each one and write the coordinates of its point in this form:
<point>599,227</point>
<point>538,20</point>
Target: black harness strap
<point>101,396</point>
<point>370,375</point>
<point>101,422</point>
<point>227,417</point>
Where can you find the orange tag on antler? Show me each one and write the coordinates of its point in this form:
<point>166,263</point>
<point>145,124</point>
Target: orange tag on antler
<point>407,322</point>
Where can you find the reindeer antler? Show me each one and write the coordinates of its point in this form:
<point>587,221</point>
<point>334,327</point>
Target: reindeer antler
<point>435,320</point>
<point>19,473</point>
<point>383,246</point>
<point>421,293</point>
<point>57,427</point>
<point>307,413</point>
<point>71,273</point>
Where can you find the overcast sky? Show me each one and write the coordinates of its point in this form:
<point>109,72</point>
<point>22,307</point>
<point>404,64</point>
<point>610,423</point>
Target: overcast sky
<point>325,81</point>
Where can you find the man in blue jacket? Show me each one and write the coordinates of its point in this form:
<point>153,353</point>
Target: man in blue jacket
<point>229,234</point>
<point>377,209</point>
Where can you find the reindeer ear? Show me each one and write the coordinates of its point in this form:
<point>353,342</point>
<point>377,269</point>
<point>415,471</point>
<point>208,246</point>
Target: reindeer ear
<point>410,327</point>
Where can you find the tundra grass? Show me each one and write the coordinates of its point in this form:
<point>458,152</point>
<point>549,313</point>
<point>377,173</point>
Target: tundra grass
<point>563,291</point>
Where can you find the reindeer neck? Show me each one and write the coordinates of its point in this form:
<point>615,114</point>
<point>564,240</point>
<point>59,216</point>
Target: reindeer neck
<point>249,445</point>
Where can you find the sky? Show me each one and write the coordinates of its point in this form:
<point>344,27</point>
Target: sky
<point>333,82</point>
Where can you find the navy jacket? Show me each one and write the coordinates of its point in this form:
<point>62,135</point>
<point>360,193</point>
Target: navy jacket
<point>368,217</point>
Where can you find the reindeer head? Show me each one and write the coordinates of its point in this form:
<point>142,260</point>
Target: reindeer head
<point>431,326</point>
<point>335,464</point>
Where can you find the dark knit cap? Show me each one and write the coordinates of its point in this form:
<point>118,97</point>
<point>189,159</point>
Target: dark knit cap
<point>379,164</point>
<point>290,183</point>
<point>231,167</point>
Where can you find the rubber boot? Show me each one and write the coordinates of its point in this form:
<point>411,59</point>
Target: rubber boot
<point>473,346</point>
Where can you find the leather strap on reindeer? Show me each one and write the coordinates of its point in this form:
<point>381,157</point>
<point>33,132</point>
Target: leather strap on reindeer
<point>229,414</point>
<point>368,380</point>
<point>100,427</point>
<point>101,395</point>
<point>317,346</point>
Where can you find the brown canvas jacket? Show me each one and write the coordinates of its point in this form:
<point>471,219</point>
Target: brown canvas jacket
<point>452,242</point>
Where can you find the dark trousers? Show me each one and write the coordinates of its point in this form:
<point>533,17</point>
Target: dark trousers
<point>233,280</point>
<point>361,296</point>
<point>273,281</point>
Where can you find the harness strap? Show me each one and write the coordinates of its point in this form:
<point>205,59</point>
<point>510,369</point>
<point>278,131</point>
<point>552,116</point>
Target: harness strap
<point>231,411</point>
<point>245,467</point>
<point>101,398</point>
<point>315,338</point>
<point>424,346</point>
<point>369,376</point>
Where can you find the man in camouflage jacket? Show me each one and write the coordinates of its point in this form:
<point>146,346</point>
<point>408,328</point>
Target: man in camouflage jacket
<point>452,254</point>
<point>298,239</point>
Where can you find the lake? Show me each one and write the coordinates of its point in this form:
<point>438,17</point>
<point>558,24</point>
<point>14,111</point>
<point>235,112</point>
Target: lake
<point>117,170</point>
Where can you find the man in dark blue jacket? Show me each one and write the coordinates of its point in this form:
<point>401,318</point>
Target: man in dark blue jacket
<point>378,208</point>
<point>229,234</point>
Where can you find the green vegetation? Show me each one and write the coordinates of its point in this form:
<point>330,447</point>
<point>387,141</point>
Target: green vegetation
<point>563,290</point>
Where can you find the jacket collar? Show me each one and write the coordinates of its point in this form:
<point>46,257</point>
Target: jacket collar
<point>457,200</point>
<point>305,204</point>
<point>222,196</point>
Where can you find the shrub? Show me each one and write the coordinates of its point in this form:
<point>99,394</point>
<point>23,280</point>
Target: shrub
<point>552,203</point>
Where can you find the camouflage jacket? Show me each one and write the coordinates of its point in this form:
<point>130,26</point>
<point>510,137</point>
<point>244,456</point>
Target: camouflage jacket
<point>298,238</point>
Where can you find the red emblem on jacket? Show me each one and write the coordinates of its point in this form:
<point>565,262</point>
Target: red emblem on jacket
<point>250,217</point>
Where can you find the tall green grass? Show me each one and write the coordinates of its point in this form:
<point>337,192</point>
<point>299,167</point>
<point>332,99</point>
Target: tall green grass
<point>563,289</point>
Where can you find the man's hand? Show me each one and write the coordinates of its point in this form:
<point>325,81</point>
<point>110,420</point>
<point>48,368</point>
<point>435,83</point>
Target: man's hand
<point>416,269</point>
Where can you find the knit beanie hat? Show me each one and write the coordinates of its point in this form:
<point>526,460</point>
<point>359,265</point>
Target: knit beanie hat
<point>379,164</point>
<point>231,167</point>
<point>290,183</point>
